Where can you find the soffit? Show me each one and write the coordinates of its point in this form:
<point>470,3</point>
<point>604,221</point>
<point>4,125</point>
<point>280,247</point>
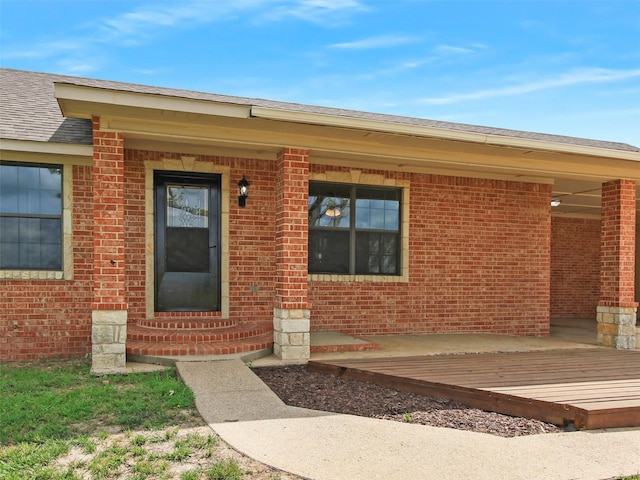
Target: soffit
<point>576,179</point>
<point>580,198</point>
<point>378,149</point>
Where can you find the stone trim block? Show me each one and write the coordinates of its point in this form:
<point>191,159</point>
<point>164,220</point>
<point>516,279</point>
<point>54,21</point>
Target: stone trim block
<point>291,334</point>
<point>109,339</point>
<point>617,327</point>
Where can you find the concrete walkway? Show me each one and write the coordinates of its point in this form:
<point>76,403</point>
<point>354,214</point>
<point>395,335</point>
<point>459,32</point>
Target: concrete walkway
<point>317,445</point>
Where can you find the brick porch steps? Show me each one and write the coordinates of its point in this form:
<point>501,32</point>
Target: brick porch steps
<point>254,344</point>
<point>137,333</point>
<point>178,338</point>
<point>186,324</point>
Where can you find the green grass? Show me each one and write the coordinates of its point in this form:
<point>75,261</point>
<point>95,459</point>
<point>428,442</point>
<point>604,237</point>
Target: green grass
<point>58,422</point>
<point>48,408</point>
<point>27,460</point>
<point>61,400</point>
<point>224,470</point>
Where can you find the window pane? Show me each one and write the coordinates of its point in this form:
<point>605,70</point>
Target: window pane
<point>377,253</point>
<point>29,255</point>
<point>50,178</point>
<point>31,190</point>
<point>9,255</point>
<point>29,230</point>
<point>9,229</point>
<point>29,201</point>
<point>34,239</point>
<point>50,203</point>
<point>29,177</point>
<point>187,207</point>
<point>328,251</point>
<point>378,209</point>
<point>51,256</point>
<point>37,245</point>
<point>329,205</point>
<point>392,216</point>
<point>8,200</point>
<point>50,231</point>
<point>50,191</point>
<point>187,249</point>
<point>8,176</point>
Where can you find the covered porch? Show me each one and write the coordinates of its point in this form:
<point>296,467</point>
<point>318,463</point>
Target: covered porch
<point>470,248</point>
<point>564,333</point>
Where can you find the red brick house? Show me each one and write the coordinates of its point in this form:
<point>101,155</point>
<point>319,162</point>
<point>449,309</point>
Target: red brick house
<point>122,226</point>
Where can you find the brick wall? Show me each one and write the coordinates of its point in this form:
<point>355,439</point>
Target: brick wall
<point>108,220</point>
<point>575,267</point>
<point>479,262</point>
<point>53,318</point>
<point>292,229</point>
<point>617,276</point>
<point>252,263</point>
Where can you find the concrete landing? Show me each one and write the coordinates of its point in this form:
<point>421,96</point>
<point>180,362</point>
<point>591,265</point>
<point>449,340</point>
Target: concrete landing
<point>325,341</point>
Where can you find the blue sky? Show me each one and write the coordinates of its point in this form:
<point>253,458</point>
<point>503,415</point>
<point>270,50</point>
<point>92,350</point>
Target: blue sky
<point>563,67</point>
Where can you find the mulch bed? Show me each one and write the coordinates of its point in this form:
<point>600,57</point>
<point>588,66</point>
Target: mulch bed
<point>299,387</point>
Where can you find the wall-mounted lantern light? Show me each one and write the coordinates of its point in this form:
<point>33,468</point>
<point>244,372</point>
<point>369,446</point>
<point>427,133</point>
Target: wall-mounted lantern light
<point>243,188</point>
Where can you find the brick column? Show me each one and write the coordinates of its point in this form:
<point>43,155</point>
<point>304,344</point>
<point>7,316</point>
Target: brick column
<point>617,309</point>
<point>291,320</point>
<point>109,307</point>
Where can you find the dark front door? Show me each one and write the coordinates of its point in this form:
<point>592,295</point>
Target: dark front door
<point>187,242</point>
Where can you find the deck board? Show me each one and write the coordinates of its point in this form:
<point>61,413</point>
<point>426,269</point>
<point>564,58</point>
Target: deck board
<point>589,388</point>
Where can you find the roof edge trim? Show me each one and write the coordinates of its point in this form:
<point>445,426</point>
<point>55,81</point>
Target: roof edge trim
<point>32,146</point>
<point>96,95</point>
<point>424,131</point>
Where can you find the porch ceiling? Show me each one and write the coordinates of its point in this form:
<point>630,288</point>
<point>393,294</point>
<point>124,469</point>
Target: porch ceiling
<point>576,172</point>
<point>576,179</point>
<point>580,198</point>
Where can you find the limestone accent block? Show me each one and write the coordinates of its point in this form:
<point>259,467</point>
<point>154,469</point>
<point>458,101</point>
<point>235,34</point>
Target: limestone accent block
<point>109,337</point>
<point>617,327</point>
<point>291,334</point>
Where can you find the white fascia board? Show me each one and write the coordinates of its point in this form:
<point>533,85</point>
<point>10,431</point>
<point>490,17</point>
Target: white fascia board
<point>30,146</point>
<point>94,95</point>
<point>432,132</point>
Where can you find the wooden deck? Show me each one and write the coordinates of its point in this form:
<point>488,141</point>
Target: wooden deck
<point>586,388</point>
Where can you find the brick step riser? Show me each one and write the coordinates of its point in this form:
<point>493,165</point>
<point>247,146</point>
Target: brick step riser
<point>187,325</point>
<point>195,349</point>
<point>173,337</point>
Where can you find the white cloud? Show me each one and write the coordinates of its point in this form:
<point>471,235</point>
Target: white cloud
<point>443,53</point>
<point>142,23</point>
<point>314,11</point>
<point>44,50</point>
<point>376,42</point>
<point>576,77</point>
<point>148,71</point>
<point>146,21</point>
<point>446,50</point>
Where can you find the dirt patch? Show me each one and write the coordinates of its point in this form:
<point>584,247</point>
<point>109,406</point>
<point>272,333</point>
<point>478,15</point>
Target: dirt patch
<point>299,387</point>
<point>170,454</point>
